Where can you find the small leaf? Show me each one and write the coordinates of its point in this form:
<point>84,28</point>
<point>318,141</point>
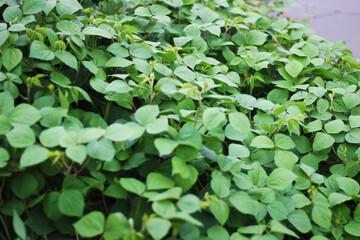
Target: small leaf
<point>71,203</point>
<point>165,146</point>
<point>19,225</point>
<point>33,6</point>
<point>158,227</point>
<point>156,181</point>
<point>213,117</point>
<point>185,74</point>
<point>281,178</point>
<point>116,226</point>
<point>133,185</point>
<point>353,228</point>
<point>322,141</point>
<point>40,51</point>
<point>90,225</point>
<point>262,142</point>
<point>11,57</point>
<point>256,38</point>
<point>140,51</point>
<point>33,155</point>
<point>67,58</point>
<point>294,68</point>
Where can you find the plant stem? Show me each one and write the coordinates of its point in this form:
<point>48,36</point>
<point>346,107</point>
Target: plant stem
<point>107,111</point>
<point>5,227</point>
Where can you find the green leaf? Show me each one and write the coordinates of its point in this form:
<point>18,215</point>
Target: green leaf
<point>33,155</point>
<point>278,227</point>
<point>240,122</point>
<point>50,205</point>
<point>284,142</point>
<point>256,38</point>
<point>93,31</point>
<point>142,11</point>
<point>244,203</point>
<point>51,137</point>
<point>90,225</point>
<point>67,58</point>
<point>133,185</point>
<point>188,135</point>
<point>157,126</point>
<point>189,203</point>
<point>334,126</point>
<point>24,114</point>
<point>293,68</point>
<point>158,228</point>
<point>118,62</point>
<point>213,117</point>
<point>40,51</point>
<point>354,121</point>
<point>220,184</point>
<point>4,157</point>
<point>21,137</point>
<point>281,178</point>
<point>217,232</point>
<point>220,209</point>
<point>277,210</point>
<point>310,50</point>
<point>165,146</point>
<point>353,228</point>
<point>11,13</point>
<point>185,74</point>
<point>115,191</point>
<point>237,150</point>
<point>11,57</point>
<point>68,26</point>
<point>67,7</point>
<point>156,181</point>
<point>4,35</point>
<point>19,225</point>
<point>76,153</point>
<point>353,136</point>
<point>71,203</point>
<point>351,100</point>
<point>285,159</point>
<point>147,114</point>
<point>116,226</point>
<point>159,10</point>
<point>102,150</point>
<point>322,141</point>
<point>119,132</point>
<point>348,185</point>
<point>33,6</point>
<point>321,215</point>
<point>24,185</point>
<point>300,220</point>
<point>262,142</point>
<point>140,51</point>
<point>337,198</point>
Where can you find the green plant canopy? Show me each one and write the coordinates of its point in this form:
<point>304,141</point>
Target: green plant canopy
<point>175,119</point>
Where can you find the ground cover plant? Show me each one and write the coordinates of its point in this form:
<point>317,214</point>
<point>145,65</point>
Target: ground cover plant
<point>174,119</point>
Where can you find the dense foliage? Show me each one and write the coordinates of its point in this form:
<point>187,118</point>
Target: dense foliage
<point>174,119</point>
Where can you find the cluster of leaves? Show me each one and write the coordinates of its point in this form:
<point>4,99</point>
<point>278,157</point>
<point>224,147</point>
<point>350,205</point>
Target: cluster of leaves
<point>174,119</point>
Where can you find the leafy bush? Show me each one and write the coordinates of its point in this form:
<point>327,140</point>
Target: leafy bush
<point>174,119</point>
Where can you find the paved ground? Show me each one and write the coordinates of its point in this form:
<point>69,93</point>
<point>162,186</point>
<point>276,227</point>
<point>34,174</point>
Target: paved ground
<point>332,19</point>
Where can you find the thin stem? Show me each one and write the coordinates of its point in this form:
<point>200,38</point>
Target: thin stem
<point>197,116</point>
<point>107,111</point>
<point>82,167</point>
<point>137,208</point>
<point>5,227</point>
<point>104,202</point>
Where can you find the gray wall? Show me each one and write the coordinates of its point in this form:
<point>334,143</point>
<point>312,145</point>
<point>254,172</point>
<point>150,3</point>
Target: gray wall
<point>332,19</point>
